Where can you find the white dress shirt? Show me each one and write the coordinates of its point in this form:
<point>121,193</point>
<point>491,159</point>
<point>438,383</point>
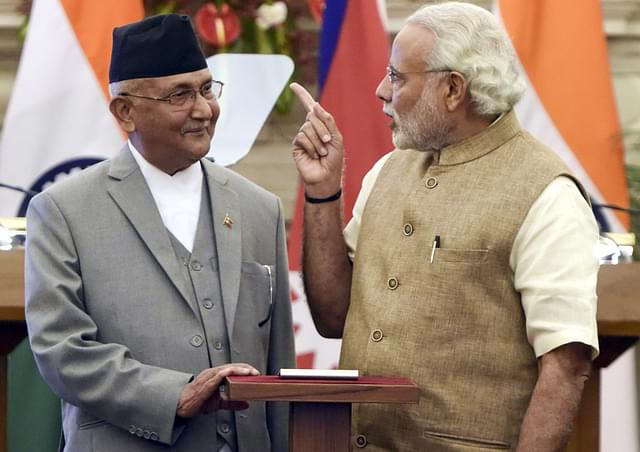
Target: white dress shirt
<point>177,197</point>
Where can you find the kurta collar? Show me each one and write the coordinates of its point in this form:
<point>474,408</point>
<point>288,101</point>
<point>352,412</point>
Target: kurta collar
<point>483,142</point>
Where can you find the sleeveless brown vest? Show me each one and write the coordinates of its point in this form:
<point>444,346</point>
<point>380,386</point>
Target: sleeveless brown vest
<point>455,325</point>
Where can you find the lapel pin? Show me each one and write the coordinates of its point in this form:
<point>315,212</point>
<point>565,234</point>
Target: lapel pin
<point>228,222</point>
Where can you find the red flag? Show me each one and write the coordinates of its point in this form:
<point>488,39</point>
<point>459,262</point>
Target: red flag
<point>354,55</point>
<point>358,64</point>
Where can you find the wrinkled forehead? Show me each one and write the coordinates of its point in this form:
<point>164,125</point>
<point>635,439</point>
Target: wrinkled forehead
<point>411,48</point>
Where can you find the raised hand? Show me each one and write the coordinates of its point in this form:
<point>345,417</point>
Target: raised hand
<point>202,396</point>
<point>318,148</point>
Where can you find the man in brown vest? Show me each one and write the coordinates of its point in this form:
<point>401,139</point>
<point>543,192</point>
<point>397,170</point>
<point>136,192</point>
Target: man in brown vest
<point>468,264</point>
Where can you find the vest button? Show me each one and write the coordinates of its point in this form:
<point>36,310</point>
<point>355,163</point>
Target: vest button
<point>361,441</point>
<point>376,335</point>
<point>407,229</point>
<point>207,303</point>
<point>196,266</point>
<point>196,340</point>
<point>224,428</point>
<point>392,283</point>
<point>218,345</point>
<point>431,182</point>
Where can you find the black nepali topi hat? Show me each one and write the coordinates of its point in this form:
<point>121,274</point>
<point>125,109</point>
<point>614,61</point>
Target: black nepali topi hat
<point>155,47</point>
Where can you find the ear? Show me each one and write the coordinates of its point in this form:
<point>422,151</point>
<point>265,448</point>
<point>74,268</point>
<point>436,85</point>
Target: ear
<point>457,90</point>
<point>122,110</point>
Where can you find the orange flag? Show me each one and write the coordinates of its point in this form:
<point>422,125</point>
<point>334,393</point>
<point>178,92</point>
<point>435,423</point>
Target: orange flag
<point>58,117</point>
<point>569,103</point>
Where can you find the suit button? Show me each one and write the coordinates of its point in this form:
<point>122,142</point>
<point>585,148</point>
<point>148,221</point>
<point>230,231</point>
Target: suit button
<point>376,335</point>
<point>207,303</point>
<point>431,182</point>
<point>132,429</point>
<point>218,345</point>
<point>224,428</point>
<point>392,283</point>
<point>196,266</point>
<point>197,340</point>
<point>153,436</point>
<point>361,441</point>
<point>139,432</point>
<point>146,434</point>
<point>407,229</point>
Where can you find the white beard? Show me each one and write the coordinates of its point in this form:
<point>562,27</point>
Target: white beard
<point>423,128</point>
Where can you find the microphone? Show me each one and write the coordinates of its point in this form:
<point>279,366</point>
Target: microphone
<point>18,189</point>
<point>617,207</point>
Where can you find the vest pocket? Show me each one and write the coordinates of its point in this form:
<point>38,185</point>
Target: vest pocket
<point>470,256</point>
<point>475,443</point>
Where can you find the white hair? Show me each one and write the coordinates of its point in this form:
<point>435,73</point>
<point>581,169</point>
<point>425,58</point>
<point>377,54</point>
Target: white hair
<point>115,88</point>
<point>470,40</point>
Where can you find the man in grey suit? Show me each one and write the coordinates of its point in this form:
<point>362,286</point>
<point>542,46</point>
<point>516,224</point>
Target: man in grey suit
<point>153,275</point>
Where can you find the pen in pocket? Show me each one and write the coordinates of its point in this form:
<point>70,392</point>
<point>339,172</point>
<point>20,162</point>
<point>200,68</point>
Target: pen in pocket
<point>436,244</point>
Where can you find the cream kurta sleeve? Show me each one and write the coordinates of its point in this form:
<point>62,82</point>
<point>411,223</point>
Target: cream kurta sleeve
<point>556,269</point>
<point>352,230</point>
<point>553,260</point>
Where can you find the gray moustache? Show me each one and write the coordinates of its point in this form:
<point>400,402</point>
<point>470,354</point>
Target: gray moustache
<point>194,128</point>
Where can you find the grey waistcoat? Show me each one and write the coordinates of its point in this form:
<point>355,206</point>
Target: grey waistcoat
<point>200,271</point>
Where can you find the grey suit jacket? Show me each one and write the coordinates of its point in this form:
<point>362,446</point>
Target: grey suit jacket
<point>108,317</point>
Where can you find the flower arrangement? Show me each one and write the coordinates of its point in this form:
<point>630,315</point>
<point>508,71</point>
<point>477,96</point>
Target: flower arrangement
<point>252,26</point>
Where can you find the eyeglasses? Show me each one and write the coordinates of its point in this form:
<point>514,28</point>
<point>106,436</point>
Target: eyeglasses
<point>395,76</point>
<point>210,90</point>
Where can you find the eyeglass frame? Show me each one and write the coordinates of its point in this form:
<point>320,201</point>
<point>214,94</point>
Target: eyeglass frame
<point>391,71</point>
<point>192,92</point>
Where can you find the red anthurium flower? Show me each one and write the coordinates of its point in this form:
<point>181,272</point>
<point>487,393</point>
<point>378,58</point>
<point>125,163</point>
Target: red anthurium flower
<point>316,7</point>
<point>218,26</point>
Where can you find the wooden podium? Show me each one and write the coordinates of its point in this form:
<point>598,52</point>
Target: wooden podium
<point>321,409</point>
<point>618,323</point>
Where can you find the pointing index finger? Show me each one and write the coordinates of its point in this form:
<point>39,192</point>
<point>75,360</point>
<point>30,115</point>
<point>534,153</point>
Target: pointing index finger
<point>305,97</point>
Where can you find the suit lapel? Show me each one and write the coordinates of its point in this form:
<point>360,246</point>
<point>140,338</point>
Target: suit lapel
<point>129,190</point>
<point>227,229</point>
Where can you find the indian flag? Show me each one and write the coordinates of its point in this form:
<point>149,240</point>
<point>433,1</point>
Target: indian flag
<point>570,106</point>
<point>569,103</point>
<point>57,121</point>
<point>58,117</point>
